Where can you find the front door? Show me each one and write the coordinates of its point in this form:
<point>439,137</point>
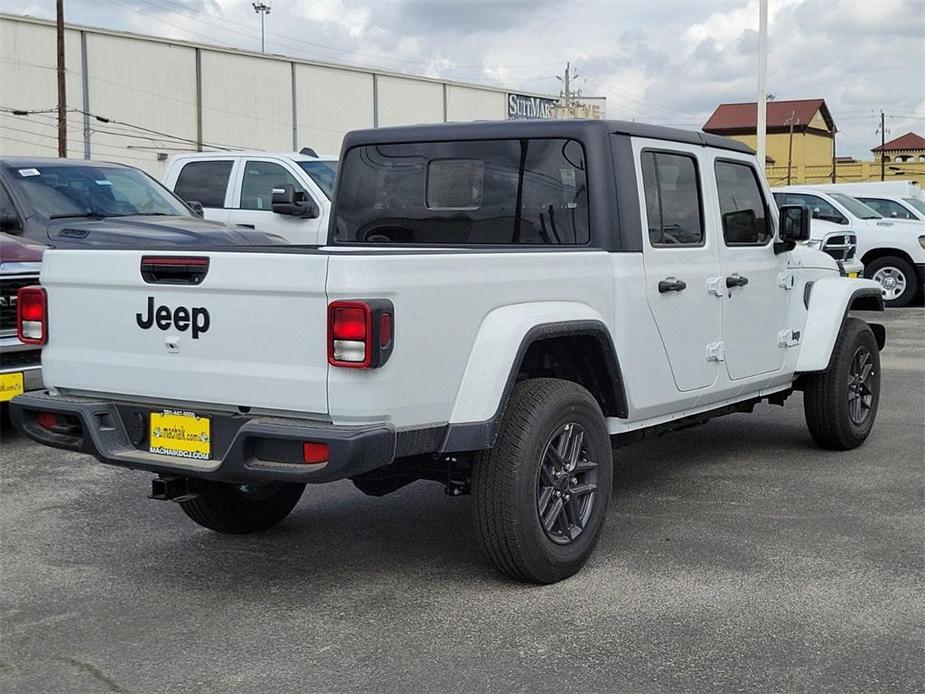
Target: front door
<point>755,279</point>
<point>681,261</point>
<point>254,204</point>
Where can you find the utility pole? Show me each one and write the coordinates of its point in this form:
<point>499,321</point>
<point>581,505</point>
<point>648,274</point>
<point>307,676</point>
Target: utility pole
<point>790,121</point>
<point>62,82</point>
<point>263,9</point>
<point>882,145</point>
<point>567,94</point>
<point>762,123</point>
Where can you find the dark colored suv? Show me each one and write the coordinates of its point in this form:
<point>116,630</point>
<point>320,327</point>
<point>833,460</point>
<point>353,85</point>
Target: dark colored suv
<point>74,203</point>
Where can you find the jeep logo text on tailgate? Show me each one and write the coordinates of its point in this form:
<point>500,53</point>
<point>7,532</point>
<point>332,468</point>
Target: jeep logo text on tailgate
<point>182,318</point>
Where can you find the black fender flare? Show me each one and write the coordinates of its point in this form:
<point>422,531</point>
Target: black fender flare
<point>470,436</point>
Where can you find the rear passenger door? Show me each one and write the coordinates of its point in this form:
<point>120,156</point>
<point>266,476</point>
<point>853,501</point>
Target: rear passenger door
<point>681,261</point>
<point>207,181</point>
<point>756,305</point>
<point>253,206</point>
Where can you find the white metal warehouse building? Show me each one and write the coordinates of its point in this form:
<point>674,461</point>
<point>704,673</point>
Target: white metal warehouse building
<point>159,97</point>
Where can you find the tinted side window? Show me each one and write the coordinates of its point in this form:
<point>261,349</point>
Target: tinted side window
<point>526,191</point>
<point>673,205</point>
<point>741,205</point>
<point>260,178</point>
<point>819,208</point>
<point>204,181</point>
<point>888,208</point>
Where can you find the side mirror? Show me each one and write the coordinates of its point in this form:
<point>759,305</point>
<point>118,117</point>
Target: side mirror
<point>794,223</point>
<point>817,213</point>
<point>287,201</point>
<point>10,224</point>
<point>196,208</point>
<point>894,214</point>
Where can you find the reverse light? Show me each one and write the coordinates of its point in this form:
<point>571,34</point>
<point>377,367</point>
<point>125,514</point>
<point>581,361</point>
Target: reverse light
<point>32,315</point>
<point>360,333</point>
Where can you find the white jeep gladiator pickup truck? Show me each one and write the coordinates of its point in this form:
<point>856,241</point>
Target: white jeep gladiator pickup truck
<point>497,307</point>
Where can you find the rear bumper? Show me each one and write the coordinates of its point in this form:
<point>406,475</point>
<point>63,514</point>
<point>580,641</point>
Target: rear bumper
<point>31,376</point>
<point>15,357</point>
<point>246,449</point>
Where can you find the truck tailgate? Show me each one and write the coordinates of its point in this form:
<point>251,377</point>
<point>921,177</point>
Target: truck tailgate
<point>251,333</point>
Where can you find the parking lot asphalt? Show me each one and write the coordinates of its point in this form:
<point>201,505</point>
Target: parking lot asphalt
<point>736,557</point>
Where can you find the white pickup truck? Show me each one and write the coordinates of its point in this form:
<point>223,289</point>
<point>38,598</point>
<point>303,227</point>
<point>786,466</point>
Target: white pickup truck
<point>497,306</point>
<point>892,250</point>
<point>237,188</point>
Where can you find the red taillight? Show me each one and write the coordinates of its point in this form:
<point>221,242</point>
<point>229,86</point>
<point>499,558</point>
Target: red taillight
<point>314,452</point>
<point>360,333</point>
<point>349,329</point>
<point>32,315</point>
<point>350,323</point>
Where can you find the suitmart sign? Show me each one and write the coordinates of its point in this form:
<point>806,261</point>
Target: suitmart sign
<point>521,107</point>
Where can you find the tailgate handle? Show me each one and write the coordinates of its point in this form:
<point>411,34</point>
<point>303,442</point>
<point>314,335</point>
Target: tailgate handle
<point>173,269</point>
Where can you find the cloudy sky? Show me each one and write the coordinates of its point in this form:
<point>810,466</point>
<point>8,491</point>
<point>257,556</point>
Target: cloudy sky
<point>661,61</point>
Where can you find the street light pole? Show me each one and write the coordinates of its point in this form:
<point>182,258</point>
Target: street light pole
<point>263,9</point>
<point>762,105</point>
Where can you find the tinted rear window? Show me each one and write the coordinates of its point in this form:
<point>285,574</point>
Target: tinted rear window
<point>204,182</point>
<point>457,193</point>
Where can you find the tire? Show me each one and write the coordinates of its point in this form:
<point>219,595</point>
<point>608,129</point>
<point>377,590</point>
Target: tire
<point>513,483</point>
<point>240,509</point>
<point>897,279</point>
<point>841,406</point>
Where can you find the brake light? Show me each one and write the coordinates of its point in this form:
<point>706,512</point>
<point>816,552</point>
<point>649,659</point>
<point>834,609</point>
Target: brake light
<point>360,333</point>
<point>32,315</point>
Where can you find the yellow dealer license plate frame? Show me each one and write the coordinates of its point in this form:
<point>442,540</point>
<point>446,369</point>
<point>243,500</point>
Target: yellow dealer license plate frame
<point>180,434</point>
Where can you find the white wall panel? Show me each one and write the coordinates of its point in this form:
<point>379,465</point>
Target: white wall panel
<point>146,84</point>
<point>409,101</point>
<point>28,81</point>
<point>246,98</point>
<point>466,104</point>
<point>330,103</point>
<point>246,101</point>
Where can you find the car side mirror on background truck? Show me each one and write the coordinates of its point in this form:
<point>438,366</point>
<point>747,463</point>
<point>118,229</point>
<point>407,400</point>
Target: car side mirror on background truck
<point>286,200</point>
<point>10,223</point>
<point>794,223</point>
<point>196,208</point>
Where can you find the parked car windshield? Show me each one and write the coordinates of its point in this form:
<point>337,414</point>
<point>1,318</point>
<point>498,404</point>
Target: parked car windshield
<point>855,207</point>
<point>510,192</point>
<point>917,204</point>
<point>323,174</point>
<point>70,190</point>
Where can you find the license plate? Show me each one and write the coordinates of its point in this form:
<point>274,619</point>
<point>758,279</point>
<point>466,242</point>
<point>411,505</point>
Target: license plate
<point>853,275</point>
<point>181,434</point>
<point>10,386</point>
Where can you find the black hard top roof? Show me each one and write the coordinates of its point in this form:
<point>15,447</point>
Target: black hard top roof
<point>32,162</point>
<point>490,130</point>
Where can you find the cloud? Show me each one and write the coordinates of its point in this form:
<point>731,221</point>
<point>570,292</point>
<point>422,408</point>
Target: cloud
<point>665,62</point>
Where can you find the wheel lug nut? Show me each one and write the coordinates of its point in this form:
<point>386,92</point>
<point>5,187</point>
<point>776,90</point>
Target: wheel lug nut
<point>574,480</point>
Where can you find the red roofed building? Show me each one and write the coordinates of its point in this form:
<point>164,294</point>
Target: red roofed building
<point>813,130</point>
<point>905,148</point>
